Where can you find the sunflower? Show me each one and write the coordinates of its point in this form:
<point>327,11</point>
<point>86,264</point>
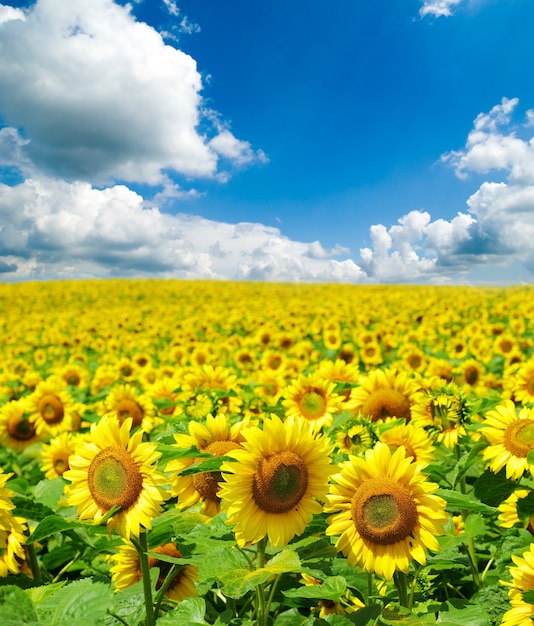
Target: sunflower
<point>12,539</point>
<point>508,516</point>
<point>523,388</point>
<point>414,438</point>
<point>50,407</point>
<point>6,505</point>
<point>75,375</point>
<point>357,439</point>
<point>522,612</point>
<point>385,512</point>
<point>112,469</point>
<point>312,398</point>
<point>17,431</point>
<point>511,438</point>
<point>272,487</point>
<point>444,414</point>
<point>125,402</point>
<point>55,455</point>
<point>216,437</point>
<point>386,393</point>
<point>126,570</point>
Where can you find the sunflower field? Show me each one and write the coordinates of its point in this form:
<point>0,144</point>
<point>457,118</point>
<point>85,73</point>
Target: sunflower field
<point>217,453</point>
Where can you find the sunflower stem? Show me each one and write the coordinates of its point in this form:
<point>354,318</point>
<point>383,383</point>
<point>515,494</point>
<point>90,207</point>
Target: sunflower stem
<point>142,549</point>
<point>261,609</point>
<point>160,594</point>
<point>34,565</point>
<point>401,582</point>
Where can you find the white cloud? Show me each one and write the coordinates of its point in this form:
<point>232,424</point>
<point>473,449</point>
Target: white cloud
<point>57,229</point>
<point>498,229</point>
<point>438,8</point>
<point>100,97</point>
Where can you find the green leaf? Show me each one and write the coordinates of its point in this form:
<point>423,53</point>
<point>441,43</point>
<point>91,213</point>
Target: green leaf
<point>211,465</point>
<point>332,588</point>
<point>170,452</point>
<point>492,489</point>
<point>239,581</point>
<point>84,603</point>
<point>460,502</point>
<point>38,594</point>
<point>292,617</point>
<point>190,612</point>
<point>525,506</point>
<point>30,510</point>
<point>221,560</point>
<point>460,613</point>
<point>51,525</point>
<point>395,614</point>
<point>48,492</point>
<point>16,607</point>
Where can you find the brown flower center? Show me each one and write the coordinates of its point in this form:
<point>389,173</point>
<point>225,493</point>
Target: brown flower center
<point>51,409</point>
<point>207,483</point>
<point>519,437</point>
<point>114,479</point>
<point>129,408</point>
<point>386,402</point>
<point>383,511</point>
<point>20,428</point>
<point>279,482</point>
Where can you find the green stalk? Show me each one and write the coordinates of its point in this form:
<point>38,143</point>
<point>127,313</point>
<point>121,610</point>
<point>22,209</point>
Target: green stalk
<point>34,565</point>
<point>401,582</point>
<point>261,609</point>
<point>471,552</point>
<point>142,549</point>
<point>161,591</point>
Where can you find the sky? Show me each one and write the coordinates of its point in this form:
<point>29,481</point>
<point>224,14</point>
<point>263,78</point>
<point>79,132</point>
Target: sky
<point>302,141</point>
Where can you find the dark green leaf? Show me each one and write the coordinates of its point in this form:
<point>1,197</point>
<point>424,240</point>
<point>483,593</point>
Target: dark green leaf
<point>492,489</point>
<point>16,607</point>
<point>525,506</point>
<point>190,612</point>
<point>51,525</point>
<point>211,465</point>
<point>460,502</point>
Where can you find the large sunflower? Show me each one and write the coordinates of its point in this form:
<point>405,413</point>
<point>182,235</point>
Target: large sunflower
<point>521,613</point>
<point>126,570</point>
<point>385,512</point>
<point>511,438</point>
<point>385,393</point>
<point>113,469</point>
<point>216,437</point>
<point>273,486</point>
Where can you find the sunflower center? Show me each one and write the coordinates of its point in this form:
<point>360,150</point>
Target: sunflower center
<point>383,511</point>
<point>114,479</point>
<point>519,437</point>
<point>51,409</point>
<point>61,464</point>
<point>129,408</point>
<point>386,402</point>
<point>313,404</point>
<point>20,428</point>
<point>529,386</point>
<point>395,442</point>
<point>279,482</point>
<point>207,483</point>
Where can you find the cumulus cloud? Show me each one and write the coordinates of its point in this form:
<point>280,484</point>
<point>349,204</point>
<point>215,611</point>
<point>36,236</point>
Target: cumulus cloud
<point>496,230</point>
<point>438,8</point>
<point>58,229</point>
<point>96,95</point>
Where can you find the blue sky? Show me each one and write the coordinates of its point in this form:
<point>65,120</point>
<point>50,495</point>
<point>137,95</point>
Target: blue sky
<point>351,142</point>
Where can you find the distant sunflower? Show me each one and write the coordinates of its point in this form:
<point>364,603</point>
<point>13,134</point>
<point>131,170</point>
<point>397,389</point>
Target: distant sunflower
<point>522,612</point>
<point>413,438</point>
<point>55,455</point>
<point>312,398</point>
<point>444,414</point>
<point>273,487</point>
<point>386,393</point>
<point>357,439</point>
<point>385,512</point>
<point>17,431</point>
<point>113,469</point>
<point>125,402</point>
<point>126,570</point>
<point>216,437</point>
<point>50,407</point>
<point>511,438</point>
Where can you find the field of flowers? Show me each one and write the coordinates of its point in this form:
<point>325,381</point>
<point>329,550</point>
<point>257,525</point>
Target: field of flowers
<point>198,452</point>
